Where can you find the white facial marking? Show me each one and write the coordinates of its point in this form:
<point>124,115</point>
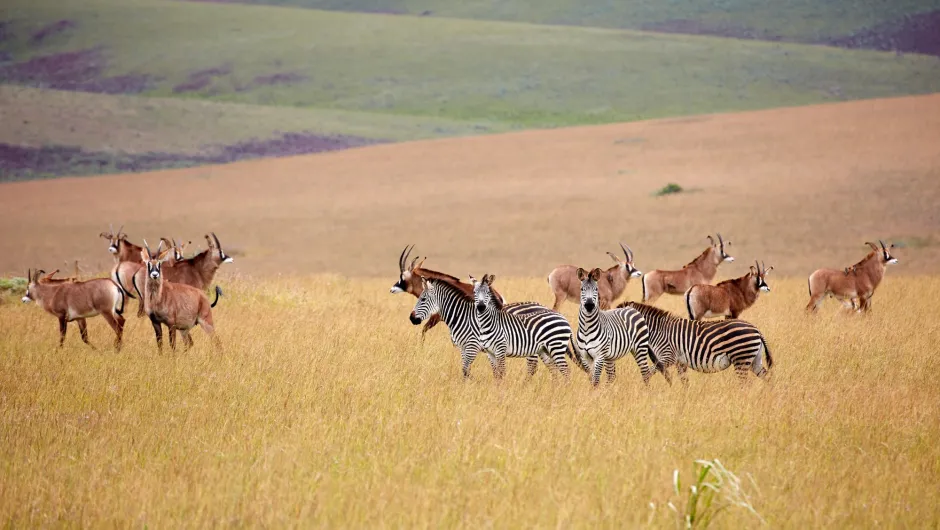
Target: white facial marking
<point>395,289</point>
<point>765,289</point>
<point>729,259</point>
<point>636,274</point>
<point>26,300</point>
<point>893,261</point>
<point>228,259</point>
<point>112,249</point>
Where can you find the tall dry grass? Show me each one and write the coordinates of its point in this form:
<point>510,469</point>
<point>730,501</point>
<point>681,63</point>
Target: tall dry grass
<point>326,410</point>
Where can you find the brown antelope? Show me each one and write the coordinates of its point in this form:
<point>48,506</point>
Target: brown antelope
<point>78,301</point>
<point>409,281</point>
<point>565,283</point>
<point>118,245</point>
<point>197,271</point>
<point>729,298</point>
<point>49,280</point>
<point>855,285</point>
<point>701,270</point>
<point>175,305</point>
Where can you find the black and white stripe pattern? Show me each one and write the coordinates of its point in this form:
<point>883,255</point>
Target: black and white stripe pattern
<point>705,346</point>
<point>605,336</point>
<point>456,310</point>
<point>503,334</point>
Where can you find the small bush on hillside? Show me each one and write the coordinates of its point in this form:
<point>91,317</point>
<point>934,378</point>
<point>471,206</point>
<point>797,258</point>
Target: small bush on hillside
<point>669,189</point>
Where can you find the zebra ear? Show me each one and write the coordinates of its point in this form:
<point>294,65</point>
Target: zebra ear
<point>581,274</point>
<point>596,274</point>
<point>488,279</point>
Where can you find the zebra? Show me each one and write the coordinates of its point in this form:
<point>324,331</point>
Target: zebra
<point>706,346</point>
<point>546,333</point>
<point>455,306</point>
<point>605,336</point>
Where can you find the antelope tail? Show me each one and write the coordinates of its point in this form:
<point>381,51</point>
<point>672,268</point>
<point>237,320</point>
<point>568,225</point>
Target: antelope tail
<point>218,294</point>
<point>643,281</point>
<point>123,300</point>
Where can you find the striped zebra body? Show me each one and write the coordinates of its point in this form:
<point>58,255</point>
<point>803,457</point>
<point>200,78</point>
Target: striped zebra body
<point>605,336</point>
<point>504,334</point>
<point>706,346</point>
<point>456,310</point>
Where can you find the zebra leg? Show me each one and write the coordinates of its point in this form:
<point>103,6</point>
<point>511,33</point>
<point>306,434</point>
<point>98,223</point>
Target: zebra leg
<point>467,356</point>
<point>531,365</point>
<point>611,370</point>
<point>596,371</point>
<point>681,371</point>
<point>556,354</point>
<point>498,360</point>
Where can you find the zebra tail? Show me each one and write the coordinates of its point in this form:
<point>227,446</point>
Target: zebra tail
<point>770,360</point>
<point>575,358</point>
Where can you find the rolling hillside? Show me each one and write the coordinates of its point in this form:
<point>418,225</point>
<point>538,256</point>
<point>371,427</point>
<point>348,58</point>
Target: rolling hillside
<point>800,188</point>
<point>399,77</point>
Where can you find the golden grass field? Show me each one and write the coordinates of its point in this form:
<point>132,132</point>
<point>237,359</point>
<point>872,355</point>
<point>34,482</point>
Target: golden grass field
<point>326,410</point>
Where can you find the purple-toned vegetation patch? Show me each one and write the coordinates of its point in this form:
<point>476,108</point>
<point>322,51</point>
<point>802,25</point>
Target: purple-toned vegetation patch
<point>23,163</point>
<point>49,30</point>
<point>918,33</point>
<point>79,70</point>
<point>280,78</point>
<point>696,27</point>
<point>200,79</point>
<point>5,31</point>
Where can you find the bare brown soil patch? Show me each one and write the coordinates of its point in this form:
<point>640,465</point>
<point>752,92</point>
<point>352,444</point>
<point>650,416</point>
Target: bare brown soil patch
<point>798,188</point>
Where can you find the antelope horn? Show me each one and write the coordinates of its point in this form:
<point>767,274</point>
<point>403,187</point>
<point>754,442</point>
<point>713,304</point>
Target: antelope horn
<point>120,231</point>
<point>882,243</point>
<point>420,263</point>
<point>413,261</point>
<point>146,246</point>
<point>217,244</point>
<point>404,257</point>
<point>872,245</point>
<point>720,240</point>
<point>758,266</point>
<point>627,251</point>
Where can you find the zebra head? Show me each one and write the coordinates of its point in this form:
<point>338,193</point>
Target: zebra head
<point>427,303</point>
<point>589,294</point>
<point>483,293</point>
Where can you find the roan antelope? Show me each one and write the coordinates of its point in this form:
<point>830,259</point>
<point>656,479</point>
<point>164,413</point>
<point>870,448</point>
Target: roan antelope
<point>118,245</point>
<point>175,305</point>
<point>853,286</point>
<point>565,283</point>
<point>409,281</point>
<point>77,301</point>
<point>701,270</point>
<point>729,298</point>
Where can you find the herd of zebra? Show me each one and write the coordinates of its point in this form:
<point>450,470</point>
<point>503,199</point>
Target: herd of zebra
<point>480,320</point>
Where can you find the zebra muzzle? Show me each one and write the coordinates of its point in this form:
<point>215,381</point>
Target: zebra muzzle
<point>414,320</point>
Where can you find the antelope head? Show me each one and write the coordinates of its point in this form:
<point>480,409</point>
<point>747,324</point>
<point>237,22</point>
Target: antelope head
<point>759,272</point>
<point>178,248</point>
<point>406,275</point>
<point>720,249</point>
<point>154,262</point>
<point>215,246</point>
<point>627,263</point>
<point>32,279</point>
<point>886,257</point>
<point>114,240</point>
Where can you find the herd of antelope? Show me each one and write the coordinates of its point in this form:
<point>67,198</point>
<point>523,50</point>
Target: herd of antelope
<point>171,290</point>
<point>480,320</point>
<point>169,287</point>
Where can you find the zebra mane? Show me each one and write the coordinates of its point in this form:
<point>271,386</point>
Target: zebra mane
<point>648,310</point>
<point>465,288</point>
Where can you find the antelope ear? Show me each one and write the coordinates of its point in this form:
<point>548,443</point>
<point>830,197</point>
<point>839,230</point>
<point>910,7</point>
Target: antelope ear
<point>768,270</point>
<point>144,256</point>
<point>581,274</point>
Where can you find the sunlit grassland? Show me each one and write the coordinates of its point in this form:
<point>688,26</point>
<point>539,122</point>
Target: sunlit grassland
<point>326,409</point>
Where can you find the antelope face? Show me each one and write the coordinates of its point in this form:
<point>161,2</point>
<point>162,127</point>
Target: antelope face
<point>888,258</point>
<point>589,294</point>
<point>402,284</point>
<point>633,271</point>
<point>425,306</point>
<point>31,283</point>
<point>482,293</point>
<point>762,284</point>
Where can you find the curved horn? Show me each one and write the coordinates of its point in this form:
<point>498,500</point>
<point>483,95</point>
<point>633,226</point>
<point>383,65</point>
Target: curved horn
<point>404,257</point>
<point>758,266</point>
<point>872,245</point>
<point>627,251</point>
<point>882,243</point>
<point>146,246</point>
<point>720,240</point>
<point>119,232</point>
<point>217,244</point>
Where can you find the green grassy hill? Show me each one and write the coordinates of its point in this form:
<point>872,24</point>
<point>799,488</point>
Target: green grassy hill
<point>392,78</point>
<point>796,20</point>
